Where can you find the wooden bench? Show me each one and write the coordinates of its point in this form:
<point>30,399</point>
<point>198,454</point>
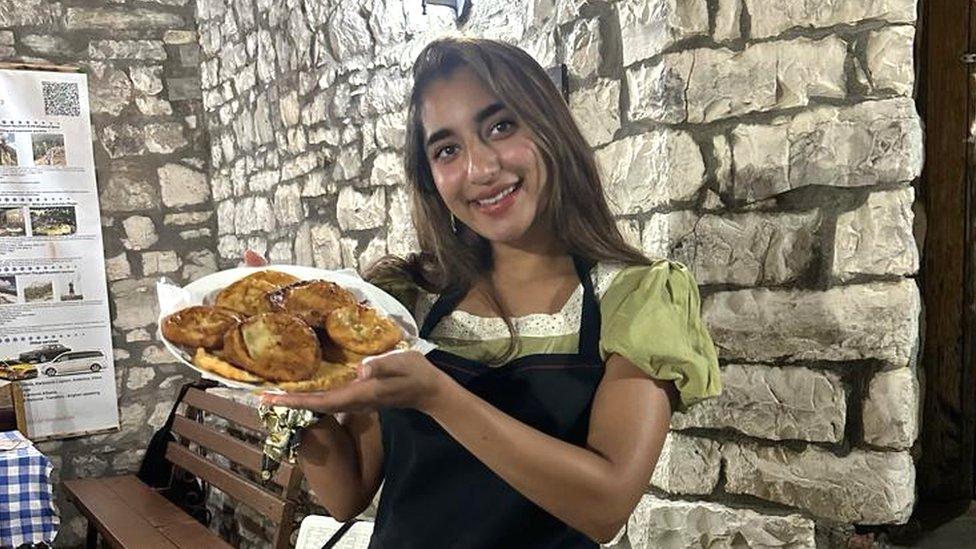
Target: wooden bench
<point>128,513</point>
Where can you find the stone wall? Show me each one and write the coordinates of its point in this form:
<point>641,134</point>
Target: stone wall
<point>152,159</point>
<point>770,145</point>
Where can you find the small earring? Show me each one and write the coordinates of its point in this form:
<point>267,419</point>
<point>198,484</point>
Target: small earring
<point>454,227</point>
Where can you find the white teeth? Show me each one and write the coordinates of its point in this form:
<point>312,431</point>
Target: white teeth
<point>497,197</point>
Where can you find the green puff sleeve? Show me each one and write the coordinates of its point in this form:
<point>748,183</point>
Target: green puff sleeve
<point>651,316</point>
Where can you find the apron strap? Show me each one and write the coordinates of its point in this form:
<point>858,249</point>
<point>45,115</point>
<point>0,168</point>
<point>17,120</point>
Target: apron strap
<point>443,306</point>
<point>589,331</point>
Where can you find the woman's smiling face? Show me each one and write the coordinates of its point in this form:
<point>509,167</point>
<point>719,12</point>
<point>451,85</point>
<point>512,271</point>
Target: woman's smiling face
<point>485,164</point>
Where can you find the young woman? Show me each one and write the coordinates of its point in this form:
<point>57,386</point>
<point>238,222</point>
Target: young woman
<point>562,350</point>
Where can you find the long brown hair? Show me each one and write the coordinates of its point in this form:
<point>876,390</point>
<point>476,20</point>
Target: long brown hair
<point>576,209</point>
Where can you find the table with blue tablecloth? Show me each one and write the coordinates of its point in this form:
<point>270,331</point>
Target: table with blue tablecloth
<point>27,511</point>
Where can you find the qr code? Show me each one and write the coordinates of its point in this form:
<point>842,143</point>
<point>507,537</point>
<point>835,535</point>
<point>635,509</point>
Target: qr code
<point>61,99</point>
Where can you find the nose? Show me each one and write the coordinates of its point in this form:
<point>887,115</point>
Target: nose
<point>483,163</point>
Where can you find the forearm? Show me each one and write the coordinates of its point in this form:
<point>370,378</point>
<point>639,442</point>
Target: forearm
<point>577,485</point>
<point>331,464</point>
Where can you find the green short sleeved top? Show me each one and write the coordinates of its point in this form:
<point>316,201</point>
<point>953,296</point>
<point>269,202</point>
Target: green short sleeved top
<point>650,315</point>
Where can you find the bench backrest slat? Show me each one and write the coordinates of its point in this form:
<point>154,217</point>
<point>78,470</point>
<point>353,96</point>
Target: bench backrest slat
<point>236,450</point>
<point>228,409</point>
<point>236,487</point>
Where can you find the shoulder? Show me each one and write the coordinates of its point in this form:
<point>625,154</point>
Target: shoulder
<point>659,279</point>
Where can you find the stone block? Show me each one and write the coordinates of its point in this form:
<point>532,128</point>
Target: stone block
<point>651,169</point>
<point>891,409</point>
<point>117,268</point>
<point>349,34</point>
<point>119,19</point>
<point>583,45</point>
<point>727,19</point>
<point>375,250</point>
<point>135,303</point>
<point>596,110</point>
<point>658,91</point>
<point>777,403</point>
<point>153,106</point>
<point>254,214</point>
<point>146,50</point>
<point>23,13</point>
<point>140,232</point>
<point>182,186</point>
<point>862,487</point>
<point>665,235</point>
<point>177,37</point>
<point>48,45</point>
<point>160,262</point>
<point>648,27</point>
<point>687,465</point>
<point>400,234</point>
<point>288,205</point>
<point>388,170</point>
<point>870,143</point>
<point>865,321</point>
<point>890,59</point>
<point>125,188</point>
<point>325,248</point>
<point>675,524</point>
<point>772,17</point>
<point>358,211</point>
<point>147,79</point>
<point>391,130</point>
<point>750,249</point>
<point>164,137</point>
<point>877,238</point>
<point>110,89</point>
<point>7,37</point>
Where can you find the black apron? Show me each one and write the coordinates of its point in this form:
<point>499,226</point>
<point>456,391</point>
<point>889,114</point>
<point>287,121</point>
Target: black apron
<point>438,495</point>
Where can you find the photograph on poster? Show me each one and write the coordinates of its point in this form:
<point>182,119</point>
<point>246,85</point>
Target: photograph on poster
<point>8,152</point>
<point>69,288</point>
<point>48,149</point>
<point>8,289</point>
<point>39,290</point>
<point>58,221</point>
<point>12,222</point>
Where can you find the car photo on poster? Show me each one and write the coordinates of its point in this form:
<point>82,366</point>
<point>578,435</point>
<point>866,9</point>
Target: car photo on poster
<point>74,362</point>
<point>43,353</point>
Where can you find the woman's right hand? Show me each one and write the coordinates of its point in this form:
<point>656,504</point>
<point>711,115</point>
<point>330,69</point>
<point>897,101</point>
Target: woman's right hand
<point>254,259</point>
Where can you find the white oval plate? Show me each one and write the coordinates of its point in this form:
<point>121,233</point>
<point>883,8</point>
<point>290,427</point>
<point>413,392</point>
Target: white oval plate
<point>173,298</point>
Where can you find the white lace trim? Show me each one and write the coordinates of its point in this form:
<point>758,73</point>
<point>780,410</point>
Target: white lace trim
<point>464,326</point>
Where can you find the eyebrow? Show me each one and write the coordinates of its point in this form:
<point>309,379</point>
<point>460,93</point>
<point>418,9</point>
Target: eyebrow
<point>482,115</point>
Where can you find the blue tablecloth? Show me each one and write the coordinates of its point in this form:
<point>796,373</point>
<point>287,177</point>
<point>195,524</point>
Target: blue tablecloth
<point>27,511</point>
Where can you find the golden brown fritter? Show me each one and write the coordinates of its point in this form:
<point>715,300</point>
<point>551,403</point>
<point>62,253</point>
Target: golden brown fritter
<point>361,329</point>
<point>200,326</point>
<point>212,363</point>
<point>248,295</point>
<point>275,346</point>
<point>312,300</point>
<point>328,375</point>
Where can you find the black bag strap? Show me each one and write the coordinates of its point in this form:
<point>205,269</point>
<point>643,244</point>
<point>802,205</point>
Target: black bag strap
<point>339,533</point>
<point>202,384</point>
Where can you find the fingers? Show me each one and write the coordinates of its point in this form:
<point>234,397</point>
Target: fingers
<point>393,363</point>
<point>254,259</point>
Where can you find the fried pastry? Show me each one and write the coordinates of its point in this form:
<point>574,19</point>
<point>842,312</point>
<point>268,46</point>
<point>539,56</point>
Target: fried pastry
<point>212,363</point>
<point>312,300</point>
<point>200,326</point>
<point>328,375</point>
<point>362,330</point>
<point>275,346</point>
<point>248,295</point>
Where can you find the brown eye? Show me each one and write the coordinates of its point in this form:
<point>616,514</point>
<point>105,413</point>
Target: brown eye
<point>502,127</point>
<point>448,150</point>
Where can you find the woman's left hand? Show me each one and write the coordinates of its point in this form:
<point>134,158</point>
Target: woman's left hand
<point>397,379</point>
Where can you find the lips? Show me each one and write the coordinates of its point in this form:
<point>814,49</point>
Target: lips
<point>498,203</point>
<point>494,196</point>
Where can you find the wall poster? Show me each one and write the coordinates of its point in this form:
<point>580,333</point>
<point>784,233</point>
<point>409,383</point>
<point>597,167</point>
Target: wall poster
<point>55,332</point>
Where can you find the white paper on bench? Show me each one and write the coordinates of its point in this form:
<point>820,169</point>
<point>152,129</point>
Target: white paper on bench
<point>317,529</point>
